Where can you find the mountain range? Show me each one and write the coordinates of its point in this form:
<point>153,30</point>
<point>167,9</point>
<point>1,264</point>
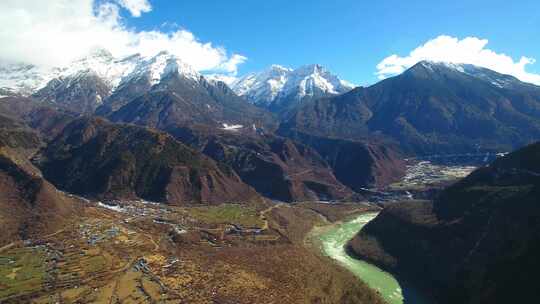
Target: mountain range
<point>288,120</point>
<point>277,150</point>
<point>99,77</point>
<point>432,108</point>
<point>279,89</point>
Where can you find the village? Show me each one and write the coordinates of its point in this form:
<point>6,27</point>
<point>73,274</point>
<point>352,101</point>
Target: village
<point>122,241</point>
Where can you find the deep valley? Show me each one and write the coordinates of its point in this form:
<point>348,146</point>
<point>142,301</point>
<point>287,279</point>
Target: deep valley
<point>146,167</point>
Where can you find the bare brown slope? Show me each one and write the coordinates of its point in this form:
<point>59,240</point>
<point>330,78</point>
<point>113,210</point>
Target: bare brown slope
<point>18,137</point>
<point>29,205</point>
<point>280,168</point>
<point>357,164</point>
<point>277,167</point>
<point>96,158</point>
<point>45,118</point>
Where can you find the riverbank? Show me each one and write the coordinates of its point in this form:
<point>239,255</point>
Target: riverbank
<point>331,240</point>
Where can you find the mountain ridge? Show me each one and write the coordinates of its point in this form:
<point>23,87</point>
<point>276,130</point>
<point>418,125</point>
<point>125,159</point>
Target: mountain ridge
<point>114,161</point>
<point>279,88</point>
<point>428,109</point>
<point>476,242</point>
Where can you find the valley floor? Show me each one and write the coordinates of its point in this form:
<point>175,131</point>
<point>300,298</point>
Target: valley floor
<point>332,241</point>
<point>144,252</point>
<point>140,252</point>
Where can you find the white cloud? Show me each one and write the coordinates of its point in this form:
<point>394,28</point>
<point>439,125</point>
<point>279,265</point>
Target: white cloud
<point>54,32</point>
<point>231,66</point>
<point>136,7</point>
<point>470,50</point>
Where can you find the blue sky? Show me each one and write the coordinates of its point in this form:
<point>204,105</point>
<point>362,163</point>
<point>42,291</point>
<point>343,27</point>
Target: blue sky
<point>349,37</point>
<point>353,38</point>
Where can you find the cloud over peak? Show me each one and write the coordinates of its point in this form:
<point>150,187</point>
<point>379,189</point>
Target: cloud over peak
<point>470,50</point>
<point>55,32</point>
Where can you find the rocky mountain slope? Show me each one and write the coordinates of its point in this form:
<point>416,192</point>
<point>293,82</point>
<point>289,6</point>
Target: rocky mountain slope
<point>29,205</point>
<point>95,158</point>
<point>43,118</point>
<point>16,136</point>
<point>478,242</point>
<point>279,88</point>
<point>183,98</point>
<point>355,163</point>
<point>105,84</point>
<point>81,92</point>
<point>276,167</point>
<point>431,108</point>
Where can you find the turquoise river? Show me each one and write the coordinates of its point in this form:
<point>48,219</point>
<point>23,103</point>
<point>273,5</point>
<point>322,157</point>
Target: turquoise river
<point>333,241</point>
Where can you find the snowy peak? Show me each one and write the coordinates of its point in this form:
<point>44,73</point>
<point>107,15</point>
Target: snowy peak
<point>102,63</point>
<point>27,79</point>
<point>174,65</point>
<point>309,69</point>
<point>81,92</point>
<point>160,66</point>
<point>88,82</point>
<point>216,78</point>
<point>21,79</point>
<point>262,88</point>
<point>428,68</point>
<point>281,86</point>
<point>314,80</point>
<point>495,78</point>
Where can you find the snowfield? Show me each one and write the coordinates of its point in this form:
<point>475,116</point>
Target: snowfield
<point>228,127</point>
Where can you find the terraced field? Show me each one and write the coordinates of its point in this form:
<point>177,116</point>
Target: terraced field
<point>23,271</point>
<point>149,253</point>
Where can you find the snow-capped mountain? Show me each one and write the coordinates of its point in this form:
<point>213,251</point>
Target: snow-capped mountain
<point>485,74</point>
<point>22,79</point>
<point>159,66</point>
<point>148,75</point>
<point>26,79</point>
<point>278,87</point>
<point>81,92</point>
<point>215,78</point>
<point>165,92</point>
<point>431,108</point>
<point>262,88</point>
<point>86,83</point>
<point>101,62</point>
<point>89,82</point>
